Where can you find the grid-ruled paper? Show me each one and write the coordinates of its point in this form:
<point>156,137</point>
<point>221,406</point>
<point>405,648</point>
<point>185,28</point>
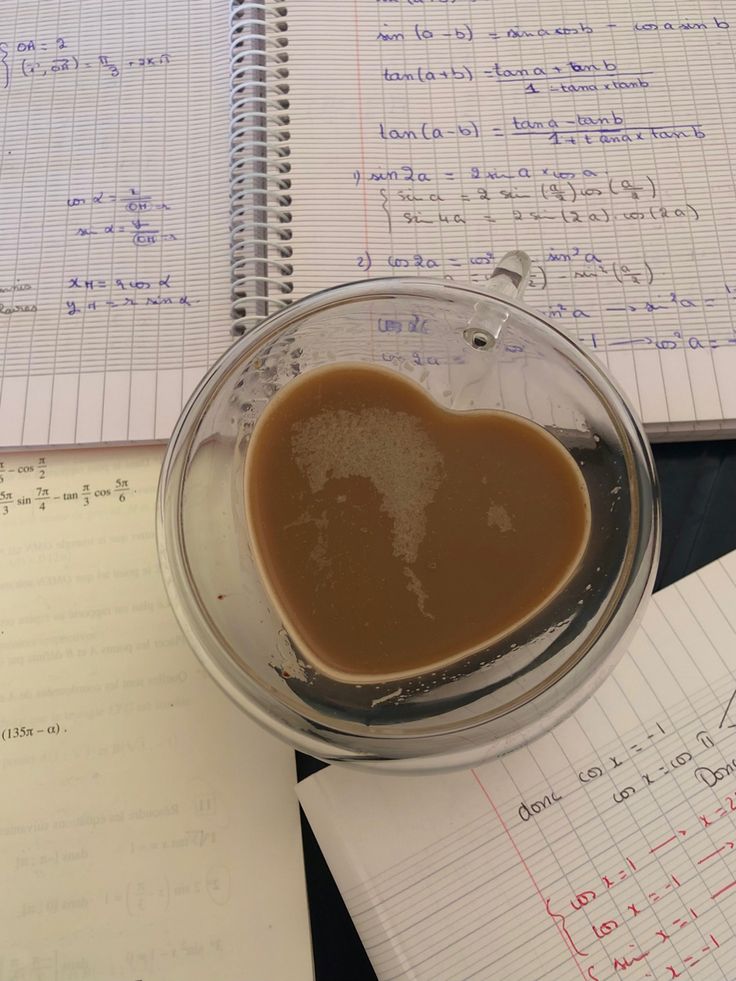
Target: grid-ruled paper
<point>596,136</point>
<point>605,849</point>
<point>114,268</point>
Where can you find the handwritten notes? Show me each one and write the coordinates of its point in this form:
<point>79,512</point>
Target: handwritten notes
<point>114,264</point>
<point>606,849</point>
<point>148,829</point>
<point>594,138</point>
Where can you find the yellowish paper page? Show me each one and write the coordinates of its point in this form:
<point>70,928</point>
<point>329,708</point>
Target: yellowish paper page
<point>148,830</point>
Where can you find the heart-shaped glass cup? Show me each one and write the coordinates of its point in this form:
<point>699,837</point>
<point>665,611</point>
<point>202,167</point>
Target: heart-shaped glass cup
<point>469,350</point>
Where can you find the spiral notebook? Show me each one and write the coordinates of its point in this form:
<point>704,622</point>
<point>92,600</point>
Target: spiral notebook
<point>604,850</point>
<point>157,158</point>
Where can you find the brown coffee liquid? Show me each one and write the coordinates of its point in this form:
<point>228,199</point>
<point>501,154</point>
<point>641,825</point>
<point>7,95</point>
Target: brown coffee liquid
<point>395,536</point>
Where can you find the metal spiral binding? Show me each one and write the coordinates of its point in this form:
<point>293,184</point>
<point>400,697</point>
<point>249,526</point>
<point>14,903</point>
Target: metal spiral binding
<point>260,182</point>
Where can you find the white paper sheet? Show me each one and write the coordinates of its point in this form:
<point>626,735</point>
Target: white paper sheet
<point>605,849</point>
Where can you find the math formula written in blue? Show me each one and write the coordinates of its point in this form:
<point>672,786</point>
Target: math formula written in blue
<point>29,58</point>
<point>594,141</point>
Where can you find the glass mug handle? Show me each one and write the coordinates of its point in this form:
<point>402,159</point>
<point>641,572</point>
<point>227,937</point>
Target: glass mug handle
<point>507,282</point>
<point>510,277</point>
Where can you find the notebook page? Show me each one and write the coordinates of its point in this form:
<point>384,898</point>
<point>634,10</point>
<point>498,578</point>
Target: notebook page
<point>604,849</point>
<point>114,238</point>
<point>148,830</point>
<point>593,135</point>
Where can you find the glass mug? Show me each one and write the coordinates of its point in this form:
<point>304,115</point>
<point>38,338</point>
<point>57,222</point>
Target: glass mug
<point>468,349</point>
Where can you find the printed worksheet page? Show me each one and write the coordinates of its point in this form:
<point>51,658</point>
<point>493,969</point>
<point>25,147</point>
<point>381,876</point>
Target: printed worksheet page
<point>148,830</point>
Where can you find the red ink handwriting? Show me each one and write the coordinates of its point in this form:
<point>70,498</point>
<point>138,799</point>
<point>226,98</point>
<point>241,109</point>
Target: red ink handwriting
<point>725,847</point>
<point>668,841</point>
<point>624,963</point>
<point>720,892</point>
<point>604,929</point>
<point>692,959</point>
<point>680,923</point>
<point>582,899</point>
<point>654,897</point>
<point>563,927</point>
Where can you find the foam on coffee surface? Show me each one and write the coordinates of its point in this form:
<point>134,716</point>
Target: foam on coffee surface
<point>390,449</point>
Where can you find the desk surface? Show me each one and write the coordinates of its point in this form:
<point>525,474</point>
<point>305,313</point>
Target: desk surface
<point>698,483</point>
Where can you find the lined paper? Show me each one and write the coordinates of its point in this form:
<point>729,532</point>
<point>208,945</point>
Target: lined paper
<point>605,849</point>
<point>148,829</point>
<point>593,135</point>
<point>114,265</point>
